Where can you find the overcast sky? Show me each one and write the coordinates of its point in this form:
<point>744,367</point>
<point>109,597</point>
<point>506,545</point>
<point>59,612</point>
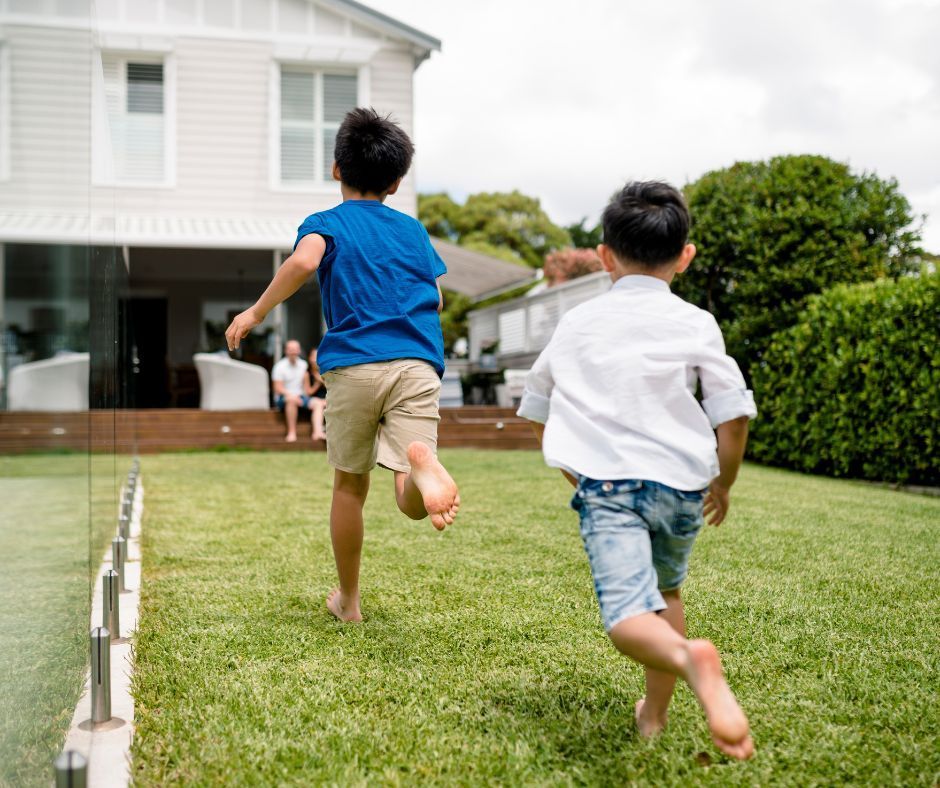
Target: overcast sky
<point>566,100</point>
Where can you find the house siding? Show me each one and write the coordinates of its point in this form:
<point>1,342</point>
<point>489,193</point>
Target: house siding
<point>222,129</point>
<point>50,117</point>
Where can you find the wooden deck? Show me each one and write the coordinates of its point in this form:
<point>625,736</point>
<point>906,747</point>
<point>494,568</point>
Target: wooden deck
<point>191,429</point>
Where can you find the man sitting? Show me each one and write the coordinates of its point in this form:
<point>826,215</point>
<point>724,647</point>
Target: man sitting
<point>288,376</point>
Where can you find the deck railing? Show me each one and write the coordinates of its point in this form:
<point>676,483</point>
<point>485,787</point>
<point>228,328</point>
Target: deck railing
<point>524,325</point>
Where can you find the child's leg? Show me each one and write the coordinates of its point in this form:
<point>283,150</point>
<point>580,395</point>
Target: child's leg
<point>427,489</point>
<point>317,406</point>
<point>407,438</point>
<point>349,496</point>
<point>652,710</point>
<point>652,641</point>
<point>290,414</point>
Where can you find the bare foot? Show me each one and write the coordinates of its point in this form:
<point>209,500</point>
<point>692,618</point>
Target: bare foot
<point>437,488</point>
<point>319,436</point>
<point>646,725</point>
<point>344,611</point>
<point>291,438</point>
<point>726,720</point>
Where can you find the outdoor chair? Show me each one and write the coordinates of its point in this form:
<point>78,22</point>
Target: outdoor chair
<point>227,384</point>
<point>58,384</point>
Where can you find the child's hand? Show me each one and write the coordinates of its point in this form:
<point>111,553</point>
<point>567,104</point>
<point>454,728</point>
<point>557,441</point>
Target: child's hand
<point>241,325</point>
<point>717,501</point>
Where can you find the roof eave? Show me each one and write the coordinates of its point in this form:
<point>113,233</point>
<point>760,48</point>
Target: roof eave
<point>424,42</point>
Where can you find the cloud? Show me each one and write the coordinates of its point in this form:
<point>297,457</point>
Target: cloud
<point>566,100</point>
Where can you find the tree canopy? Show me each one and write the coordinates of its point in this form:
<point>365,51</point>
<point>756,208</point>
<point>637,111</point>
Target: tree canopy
<point>771,234</point>
<point>509,225</point>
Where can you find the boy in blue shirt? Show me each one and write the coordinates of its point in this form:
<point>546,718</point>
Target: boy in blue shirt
<point>383,353</point>
<point>615,391</point>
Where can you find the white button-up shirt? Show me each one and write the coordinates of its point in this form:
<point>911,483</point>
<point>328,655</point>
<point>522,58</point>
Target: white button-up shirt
<point>615,388</point>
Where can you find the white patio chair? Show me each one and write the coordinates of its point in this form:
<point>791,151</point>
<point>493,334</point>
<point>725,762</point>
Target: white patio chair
<point>58,384</point>
<point>227,384</point>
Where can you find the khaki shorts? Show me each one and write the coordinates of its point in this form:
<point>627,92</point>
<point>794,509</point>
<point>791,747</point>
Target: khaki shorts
<point>374,411</point>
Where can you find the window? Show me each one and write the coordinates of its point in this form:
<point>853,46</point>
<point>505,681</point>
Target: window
<point>136,108</point>
<point>313,104</point>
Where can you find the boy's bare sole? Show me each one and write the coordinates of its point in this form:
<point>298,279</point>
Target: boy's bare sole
<point>347,614</point>
<point>438,490</point>
<point>726,719</point>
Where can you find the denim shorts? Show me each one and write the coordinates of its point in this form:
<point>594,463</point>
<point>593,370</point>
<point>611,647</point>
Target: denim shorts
<point>280,402</point>
<point>638,536</point>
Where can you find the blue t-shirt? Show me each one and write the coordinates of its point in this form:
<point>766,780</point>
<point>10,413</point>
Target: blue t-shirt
<point>378,282</point>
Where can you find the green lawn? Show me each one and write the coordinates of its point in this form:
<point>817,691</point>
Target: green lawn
<point>482,658</point>
<point>57,514</point>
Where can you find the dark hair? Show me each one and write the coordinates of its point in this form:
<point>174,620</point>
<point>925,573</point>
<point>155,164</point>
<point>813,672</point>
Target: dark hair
<point>647,223</point>
<point>372,152</point>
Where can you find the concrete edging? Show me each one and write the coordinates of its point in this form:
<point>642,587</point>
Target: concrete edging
<point>106,746</point>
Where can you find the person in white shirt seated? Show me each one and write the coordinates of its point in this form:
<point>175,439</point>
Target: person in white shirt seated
<point>613,396</point>
<point>289,376</point>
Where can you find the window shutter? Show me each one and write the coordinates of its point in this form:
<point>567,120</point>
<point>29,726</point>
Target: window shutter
<point>339,97</point>
<point>312,107</point>
<point>297,126</point>
<point>134,98</point>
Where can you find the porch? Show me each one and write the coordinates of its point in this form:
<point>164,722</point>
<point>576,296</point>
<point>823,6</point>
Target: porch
<point>179,429</point>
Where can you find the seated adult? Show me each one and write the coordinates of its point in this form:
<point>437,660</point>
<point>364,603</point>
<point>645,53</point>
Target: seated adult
<point>315,389</point>
<point>288,377</point>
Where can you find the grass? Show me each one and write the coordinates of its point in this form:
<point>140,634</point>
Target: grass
<point>58,513</point>
<point>482,658</point>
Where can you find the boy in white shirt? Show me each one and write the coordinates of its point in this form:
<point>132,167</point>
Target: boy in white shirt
<point>615,391</point>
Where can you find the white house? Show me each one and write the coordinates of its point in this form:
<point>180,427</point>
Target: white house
<point>193,136</point>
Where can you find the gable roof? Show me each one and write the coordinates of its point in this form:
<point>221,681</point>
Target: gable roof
<point>423,42</point>
<point>478,275</point>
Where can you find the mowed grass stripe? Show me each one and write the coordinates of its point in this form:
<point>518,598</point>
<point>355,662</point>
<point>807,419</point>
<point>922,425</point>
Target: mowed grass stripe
<point>482,658</point>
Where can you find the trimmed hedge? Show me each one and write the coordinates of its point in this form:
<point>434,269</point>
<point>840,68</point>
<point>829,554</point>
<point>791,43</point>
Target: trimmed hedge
<point>853,389</point>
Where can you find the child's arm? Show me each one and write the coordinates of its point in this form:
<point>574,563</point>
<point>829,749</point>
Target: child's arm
<point>732,439</point>
<point>289,277</point>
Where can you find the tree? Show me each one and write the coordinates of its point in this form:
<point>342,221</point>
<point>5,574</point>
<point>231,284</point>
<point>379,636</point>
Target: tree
<point>771,234</point>
<point>438,213</point>
<point>583,237</point>
<point>567,264</point>
<point>487,222</point>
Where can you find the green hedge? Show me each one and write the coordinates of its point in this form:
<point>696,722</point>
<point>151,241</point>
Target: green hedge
<point>854,388</point>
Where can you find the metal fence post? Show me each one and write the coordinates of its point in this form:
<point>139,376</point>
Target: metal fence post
<point>100,675</point>
<point>118,554</point>
<point>111,610</point>
<point>71,770</point>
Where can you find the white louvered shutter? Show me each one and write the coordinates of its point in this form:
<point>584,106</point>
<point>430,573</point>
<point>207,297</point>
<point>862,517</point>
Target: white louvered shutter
<point>134,98</point>
<point>339,97</point>
<point>312,107</point>
<point>297,126</point>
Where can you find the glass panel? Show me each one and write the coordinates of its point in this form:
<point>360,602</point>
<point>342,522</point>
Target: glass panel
<point>339,96</point>
<point>66,386</point>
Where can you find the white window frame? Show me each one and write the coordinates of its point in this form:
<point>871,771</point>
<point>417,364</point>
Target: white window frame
<point>102,154</point>
<point>320,186</point>
<point>6,105</point>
